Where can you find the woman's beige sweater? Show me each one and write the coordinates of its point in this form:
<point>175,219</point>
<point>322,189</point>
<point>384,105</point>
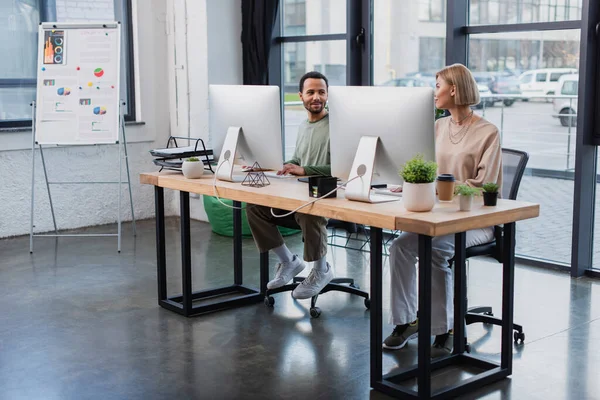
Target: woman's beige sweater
<point>476,159</point>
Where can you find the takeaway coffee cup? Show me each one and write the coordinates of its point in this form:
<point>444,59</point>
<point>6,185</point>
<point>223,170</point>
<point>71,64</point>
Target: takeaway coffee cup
<point>445,187</point>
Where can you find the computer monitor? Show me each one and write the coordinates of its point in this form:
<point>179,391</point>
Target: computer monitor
<point>402,118</point>
<point>245,120</point>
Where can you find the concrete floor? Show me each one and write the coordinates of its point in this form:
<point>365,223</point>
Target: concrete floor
<point>80,321</point>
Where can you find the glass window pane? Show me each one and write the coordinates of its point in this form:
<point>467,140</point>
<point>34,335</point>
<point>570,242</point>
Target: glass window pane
<point>432,10</point>
<point>541,77</point>
<point>313,17</point>
<point>416,52</point>
<point>540,126</point>
<point>327,57</point>
<point>489,12</point>
<point>19,22</point>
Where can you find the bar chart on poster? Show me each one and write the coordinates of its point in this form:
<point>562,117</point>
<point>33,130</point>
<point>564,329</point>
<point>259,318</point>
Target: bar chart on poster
<point>78,83</point>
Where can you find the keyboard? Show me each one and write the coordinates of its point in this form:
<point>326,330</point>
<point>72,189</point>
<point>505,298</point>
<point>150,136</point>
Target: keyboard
<point>273,174</point>
<point>383,198</point>
<point>386,192</point>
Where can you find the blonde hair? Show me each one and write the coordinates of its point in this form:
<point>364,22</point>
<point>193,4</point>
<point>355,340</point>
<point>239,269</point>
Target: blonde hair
<point>467,93</point>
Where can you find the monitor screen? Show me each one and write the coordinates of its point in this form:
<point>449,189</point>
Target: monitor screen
<point>257,110</point>
<point>402,117</point>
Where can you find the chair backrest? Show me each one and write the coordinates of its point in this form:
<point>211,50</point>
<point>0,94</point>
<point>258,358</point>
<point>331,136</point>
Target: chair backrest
<point>513,167</point>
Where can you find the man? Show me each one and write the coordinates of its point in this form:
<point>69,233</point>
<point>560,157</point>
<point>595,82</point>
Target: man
<point>311,157</point>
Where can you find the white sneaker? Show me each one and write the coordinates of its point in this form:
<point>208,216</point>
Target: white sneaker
<point>285,272</point>
<point>313,284</point>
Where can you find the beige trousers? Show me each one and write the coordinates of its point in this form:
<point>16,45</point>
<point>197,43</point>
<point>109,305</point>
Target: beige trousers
<point>266,235</point>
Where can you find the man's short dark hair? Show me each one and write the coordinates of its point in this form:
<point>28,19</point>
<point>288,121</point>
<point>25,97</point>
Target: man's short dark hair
<point>312,75</point>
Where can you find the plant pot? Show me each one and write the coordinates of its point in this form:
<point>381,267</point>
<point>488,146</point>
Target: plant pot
<point>418,196</point>
<point>490,199</point>
<point>192,169</point>
<point>465,203</point>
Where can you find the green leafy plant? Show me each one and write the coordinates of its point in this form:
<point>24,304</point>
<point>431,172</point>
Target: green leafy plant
<point>439,113</point>
<point>490,187</point>
<point>193,159</point>
<point>466,190</point>
<point>417,170</point>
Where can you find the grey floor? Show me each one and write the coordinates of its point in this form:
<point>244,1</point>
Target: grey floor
<point>80,321</point>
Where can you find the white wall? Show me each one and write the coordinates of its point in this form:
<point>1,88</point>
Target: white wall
<point>213,55</point>
<point>84,205</point>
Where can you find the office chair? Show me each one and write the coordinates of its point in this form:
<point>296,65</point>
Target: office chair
<point>513,167</point>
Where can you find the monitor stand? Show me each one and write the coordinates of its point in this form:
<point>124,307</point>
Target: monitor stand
<point>359,189</point>
<point>227,157</point>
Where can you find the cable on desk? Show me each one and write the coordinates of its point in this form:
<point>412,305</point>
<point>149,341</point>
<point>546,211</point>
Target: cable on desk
<point>313,201</point>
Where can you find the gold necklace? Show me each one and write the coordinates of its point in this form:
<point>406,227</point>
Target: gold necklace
<point>460,135</point>
<point>462,120</point>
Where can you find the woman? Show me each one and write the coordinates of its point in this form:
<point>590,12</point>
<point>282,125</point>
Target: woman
<point>468,147</point>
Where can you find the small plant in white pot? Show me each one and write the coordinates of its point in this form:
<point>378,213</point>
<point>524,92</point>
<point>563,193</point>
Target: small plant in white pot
<point>465,196</point>
<point>192,168</point>
<point>418,190</point>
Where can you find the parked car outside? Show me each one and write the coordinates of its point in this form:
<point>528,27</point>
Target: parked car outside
<point>565,109</point>
<point>543,82</point>
<point>499,83</point>
<point>411,82</point>
<point>486,97</point>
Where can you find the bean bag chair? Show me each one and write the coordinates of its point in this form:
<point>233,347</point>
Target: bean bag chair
<point>221,218</point>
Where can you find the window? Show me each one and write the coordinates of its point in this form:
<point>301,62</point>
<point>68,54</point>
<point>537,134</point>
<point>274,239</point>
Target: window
<point>570,88</point>
<point>431,53</point>
<point>400,53</point>
<point>432,10</point>
<point>313,17</point>
<point>556,75</point>
<point>526,78</point>
<point>491,12</point>
<point>325,54</point>
<point>533,126</point>
<point>19,20</point>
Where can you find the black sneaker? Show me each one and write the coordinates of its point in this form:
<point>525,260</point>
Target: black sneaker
<point>443,345</point>
<point>401,335</point>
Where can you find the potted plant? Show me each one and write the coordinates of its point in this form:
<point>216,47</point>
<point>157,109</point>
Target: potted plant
<point>466,193</point>
<point>192,168</point>
<point>418,191</point>
<point>490,194</point>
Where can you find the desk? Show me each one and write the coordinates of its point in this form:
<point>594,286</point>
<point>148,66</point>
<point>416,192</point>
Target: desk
<point>444,219</point>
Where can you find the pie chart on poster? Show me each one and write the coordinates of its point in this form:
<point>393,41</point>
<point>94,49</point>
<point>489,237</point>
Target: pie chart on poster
<point>99,72</point>
<point>99,110</point>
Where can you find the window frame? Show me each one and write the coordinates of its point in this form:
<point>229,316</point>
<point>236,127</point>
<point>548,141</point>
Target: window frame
<point>358,46</point>
<point>45,15</point>
<point>458,31</point>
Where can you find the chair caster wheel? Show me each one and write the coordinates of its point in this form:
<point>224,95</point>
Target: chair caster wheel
<point>354,285</point>
<point>519,336</point>
<point>269,301</point>
<point>315,312</point>
<point>368,304</point>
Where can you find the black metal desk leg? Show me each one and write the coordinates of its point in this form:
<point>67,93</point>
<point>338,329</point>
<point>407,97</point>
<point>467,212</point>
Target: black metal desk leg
<point>376,311</point>
<point>161,258</point>
<point>237,243</point>
<point>264,272</point>
<point>186,253</point>
<point>460,292</point>
<point>424,373</point>
<point>508,288</point>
